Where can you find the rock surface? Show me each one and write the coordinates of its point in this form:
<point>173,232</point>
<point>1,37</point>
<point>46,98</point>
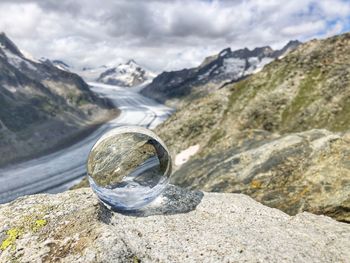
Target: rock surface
<point>282,104</point>
<point>188,227</point>
<point>307,171</point>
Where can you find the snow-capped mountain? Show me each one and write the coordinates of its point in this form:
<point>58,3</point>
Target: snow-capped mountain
<point>214,72</point>
<point>40,105</point>
<point>129,74</point>
<point>61,65</point>
<point>233,65</point>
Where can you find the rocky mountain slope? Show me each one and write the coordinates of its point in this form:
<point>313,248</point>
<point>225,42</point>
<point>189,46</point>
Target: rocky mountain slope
<point>56,63</point>
<point>180,227</point>
<point>42,106</point>
<point>256,136</point>
<point>175,87</point>
<point>129,74</point>
<point>61,65</point>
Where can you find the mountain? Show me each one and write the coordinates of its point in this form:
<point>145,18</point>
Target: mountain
<point>129,74</point>
<point>228,66</point>
<point>280,135</point>
<point>56,63</point>
<point>61,65</point>
<point>42,106</point>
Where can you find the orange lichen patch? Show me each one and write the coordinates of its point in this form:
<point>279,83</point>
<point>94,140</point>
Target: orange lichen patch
<point>255,184</point>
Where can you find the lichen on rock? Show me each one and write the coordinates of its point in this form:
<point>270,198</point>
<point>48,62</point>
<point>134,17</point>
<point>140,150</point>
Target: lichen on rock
<point>278,135</point>
<point>75,227</point>
<point>12,235</point>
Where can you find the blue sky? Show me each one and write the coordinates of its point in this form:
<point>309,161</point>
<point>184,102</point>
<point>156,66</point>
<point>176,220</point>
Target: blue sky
<point>162,34</point>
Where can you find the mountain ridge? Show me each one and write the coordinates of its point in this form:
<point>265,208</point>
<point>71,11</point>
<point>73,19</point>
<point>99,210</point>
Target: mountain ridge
<point>8,44</point>
<point>294,112</point>
<point>128,74</point>
<point>41,105</point>
<point>174,87</point>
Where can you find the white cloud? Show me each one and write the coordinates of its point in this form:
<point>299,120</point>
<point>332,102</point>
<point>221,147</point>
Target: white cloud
<point>305,28</point>
<point>163,35</point>
<point>334,9</point>
<point>19,19</point>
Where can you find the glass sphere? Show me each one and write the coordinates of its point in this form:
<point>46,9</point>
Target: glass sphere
<point>128,167</point>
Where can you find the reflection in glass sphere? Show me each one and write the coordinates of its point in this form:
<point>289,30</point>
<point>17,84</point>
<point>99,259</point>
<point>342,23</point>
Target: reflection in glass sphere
<point>128,167</point>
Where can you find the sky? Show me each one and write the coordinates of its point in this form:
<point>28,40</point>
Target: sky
<point>163,34</point>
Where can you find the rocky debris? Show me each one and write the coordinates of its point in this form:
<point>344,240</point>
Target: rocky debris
<point>228,66</point>
<point>75,227</point>
<point>308,171</point>
<point>42,106</point>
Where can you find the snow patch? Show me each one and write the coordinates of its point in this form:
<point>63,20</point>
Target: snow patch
<point>185,155</point>
<point>11,89</point>
<point>29,56</point>
<point>61,67</point>
<point>224,53</point>
<point>231,65</point>
<point>206,74</point>
<point>257,65</point>
<point>17,61</point>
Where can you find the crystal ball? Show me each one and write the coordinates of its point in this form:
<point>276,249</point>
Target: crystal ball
<point>128,167</point>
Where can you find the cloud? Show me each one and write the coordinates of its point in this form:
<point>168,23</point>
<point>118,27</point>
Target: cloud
<point>163,35</point>
<point>304,28</point>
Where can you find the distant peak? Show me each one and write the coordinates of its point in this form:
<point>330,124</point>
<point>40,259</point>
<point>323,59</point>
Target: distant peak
<point>268,48</point>
<point>131,61</point>
<point>225,51</point>
<point>57,61</point>
<point>8,44</point>
<point>262,49</point>
<point>3,35</point>
<point>292,44</point>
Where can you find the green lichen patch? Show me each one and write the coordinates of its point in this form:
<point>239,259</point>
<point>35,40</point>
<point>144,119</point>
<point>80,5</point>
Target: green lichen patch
<point>38,224</point>
<point>135,259</point>
<point>12,235</point>
<point>27,224</point>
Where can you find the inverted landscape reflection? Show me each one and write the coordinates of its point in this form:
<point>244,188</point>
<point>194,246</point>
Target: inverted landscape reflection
<point>128,168</point>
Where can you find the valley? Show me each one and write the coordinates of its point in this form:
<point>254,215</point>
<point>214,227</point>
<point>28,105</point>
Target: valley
<point>272,124</point>
<point>59,171</point>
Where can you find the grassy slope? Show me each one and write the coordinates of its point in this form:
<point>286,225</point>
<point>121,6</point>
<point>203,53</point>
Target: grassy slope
<point>307,89</point>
